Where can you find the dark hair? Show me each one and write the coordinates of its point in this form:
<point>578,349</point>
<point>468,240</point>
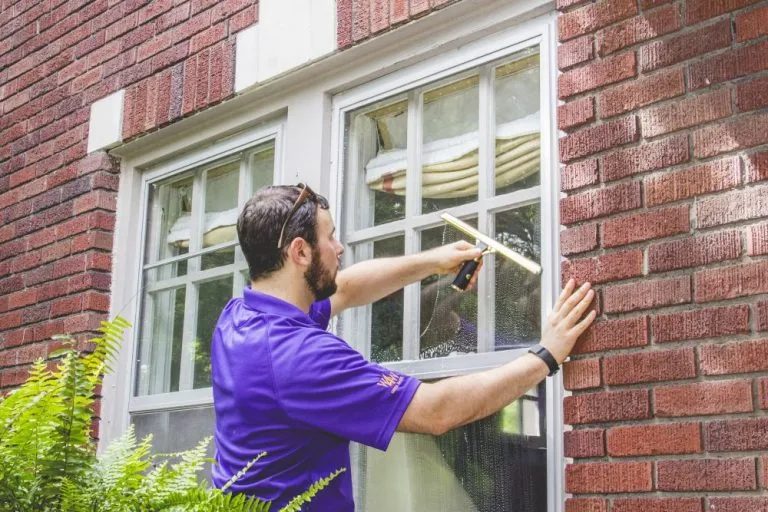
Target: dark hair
<point>259,224</point>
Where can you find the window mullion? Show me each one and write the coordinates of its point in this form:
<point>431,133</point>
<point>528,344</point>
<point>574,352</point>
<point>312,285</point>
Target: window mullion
<point>486,186</point>
<point>411,302</point>
<point>243,194</point>
<point>197,225</point>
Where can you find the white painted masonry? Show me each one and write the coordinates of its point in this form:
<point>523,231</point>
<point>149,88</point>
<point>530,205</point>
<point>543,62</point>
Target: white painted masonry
<point>105,127</point>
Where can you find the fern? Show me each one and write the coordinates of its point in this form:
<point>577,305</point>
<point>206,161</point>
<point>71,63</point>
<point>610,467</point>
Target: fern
<point>48,459</point>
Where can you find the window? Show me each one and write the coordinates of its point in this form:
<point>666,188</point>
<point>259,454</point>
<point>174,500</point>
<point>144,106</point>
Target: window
<point>471,138</point>
<point>191,267</point>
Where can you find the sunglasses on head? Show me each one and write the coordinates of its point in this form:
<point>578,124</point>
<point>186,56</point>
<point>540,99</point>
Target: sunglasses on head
<point>303,195</point>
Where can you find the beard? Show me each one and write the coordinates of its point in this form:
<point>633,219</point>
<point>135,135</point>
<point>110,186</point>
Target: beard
<point>319,278</point>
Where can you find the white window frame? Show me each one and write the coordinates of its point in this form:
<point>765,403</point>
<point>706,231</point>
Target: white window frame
<point>474,55</point>
<point>135,182</point>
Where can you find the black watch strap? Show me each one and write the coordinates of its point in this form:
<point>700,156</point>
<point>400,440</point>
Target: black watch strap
<point>546,356</point>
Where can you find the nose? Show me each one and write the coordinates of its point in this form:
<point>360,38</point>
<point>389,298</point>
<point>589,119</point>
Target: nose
<point>339,248</point>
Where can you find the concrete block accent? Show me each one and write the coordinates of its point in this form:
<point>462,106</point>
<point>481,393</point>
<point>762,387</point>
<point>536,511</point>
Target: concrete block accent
<point>247,58</point>
<point>106,122</point>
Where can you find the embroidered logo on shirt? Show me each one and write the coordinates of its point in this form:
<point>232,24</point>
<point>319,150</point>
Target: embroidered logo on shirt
<point>390,380</point>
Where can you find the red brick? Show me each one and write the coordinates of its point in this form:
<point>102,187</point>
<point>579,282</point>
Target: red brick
<point>608,477</point>
<point>763,473</point>
<point>605,268</point>
<point>575,52</point>
<point>736,435</point>
<point>598,203</point>
<point>646,226</point>
<point>638,29</point>
<point>585,504</point>
<point>245,19</point>
<point>578,175</point>
<point>645,157</point>
<point>649,366</point>
<point>207,38</point>
<point>379,15</point>
<point>752,24</point>
<point>731,358</point>
<point>694,252</point>
<point>663,439</point>
<point>594,16</point>
<point>738,504</point>
<point>699,10</point>
<point>66,306</point>
<point>706,475</point>
<point>757,239</point>
<point>730,282</point>
<point>597,74</point>
<point>645,90</point>
<point>614,334</point>
<point>361,19</point>
<point>703,398</point>
<point>762,396</point>
<point>584,443</point>
<point>695,181</point>
<point>564,4</point>
<point>662,53</point>
<point>729,65</point>
<point>598,138</point>
<point>733,206</point>
<point>761,310</point>
<point>632,404</point>
<point>752,95</point>
<point>657,505</point>
<point>756,166</point>
<point>576,113</point>
<point>95,301</point>
<point>582,374</point>
<point>703,323</point>
<point>578,239</point>
<point>685,113</point>
<point>647,294</point>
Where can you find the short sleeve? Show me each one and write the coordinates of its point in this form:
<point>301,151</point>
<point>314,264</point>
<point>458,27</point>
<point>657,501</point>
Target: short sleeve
<point>330,386</point>
<point>320,313</point>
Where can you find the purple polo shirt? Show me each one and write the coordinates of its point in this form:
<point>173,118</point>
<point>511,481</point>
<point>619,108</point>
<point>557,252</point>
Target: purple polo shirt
<point>284,385</point>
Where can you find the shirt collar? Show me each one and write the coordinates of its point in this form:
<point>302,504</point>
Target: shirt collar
<point>272,305</point>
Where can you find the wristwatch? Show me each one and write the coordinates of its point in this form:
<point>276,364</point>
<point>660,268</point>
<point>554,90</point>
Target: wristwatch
<point>546,356</point>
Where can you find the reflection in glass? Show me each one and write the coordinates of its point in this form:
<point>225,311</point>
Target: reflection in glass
<point>263,167</point>
<point>498,464</point>
<point>517,159</point>
<point>448,320</point>
<point>212,297</point>
<point>449,173</point>
<point>161,340</point>
<point>379,159</point>
<point>387,313</point>
<point>518,291</point>
<point>168,224</point>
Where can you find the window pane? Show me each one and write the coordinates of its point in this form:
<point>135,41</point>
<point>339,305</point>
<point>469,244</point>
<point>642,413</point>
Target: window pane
<point>517,160</point>
<point>377,157</point>
<point>220,225</point>
<point>165,272</point>
<point>387,313</point>
<point>448,319</point>
<point>263,167</point>
<point>170,212</point>
<point>449,173</point>
<point>212,297</point>
<point>518,291</point>
<point>486,466</point>
<point>162,332</point>
<point>176,431</point>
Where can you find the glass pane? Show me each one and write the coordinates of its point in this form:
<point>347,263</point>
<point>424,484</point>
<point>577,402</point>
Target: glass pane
<point>176,431</point>
<point>162,331</point>
<point>165,272</point>
<point>170,211</point>
<point>212,297</point>
<point>377,156</point>
<point>448,319</point>
<point>387,313</point>
<point>221,186</point>
<point>517,160</point>
<point>263,167</point>
<point>486,466</point>
<point>449,173</point>
<point>218,258</point>
<point>518,291</point>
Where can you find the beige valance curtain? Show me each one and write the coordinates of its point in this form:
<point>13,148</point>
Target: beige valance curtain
<point>450,166</point>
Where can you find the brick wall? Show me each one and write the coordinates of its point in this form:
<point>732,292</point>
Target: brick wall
<point>358,20</point>
<point>57,204</point>
<point>665,106</point>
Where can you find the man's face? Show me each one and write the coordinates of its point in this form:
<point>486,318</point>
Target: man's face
<point>326,254</point>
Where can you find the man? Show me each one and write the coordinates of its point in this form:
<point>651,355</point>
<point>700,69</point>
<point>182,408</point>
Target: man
<point>284,385</point>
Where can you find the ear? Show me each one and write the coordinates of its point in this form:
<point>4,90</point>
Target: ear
<point>300,252</point>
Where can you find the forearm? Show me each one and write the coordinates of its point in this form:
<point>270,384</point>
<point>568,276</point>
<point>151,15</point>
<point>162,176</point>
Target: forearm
<point>457,401</point>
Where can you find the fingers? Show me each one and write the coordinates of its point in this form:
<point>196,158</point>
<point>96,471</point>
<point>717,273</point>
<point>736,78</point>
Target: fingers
<point>582,326</point>
<point>564,295</point>
<point>580,308</point>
